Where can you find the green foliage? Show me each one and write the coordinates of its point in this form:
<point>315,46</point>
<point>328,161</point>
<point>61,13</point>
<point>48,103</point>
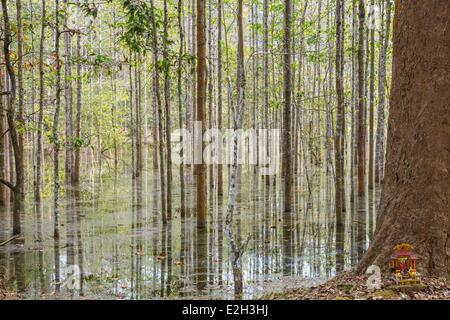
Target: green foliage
<point>89,9</point>
<point>138,26</point>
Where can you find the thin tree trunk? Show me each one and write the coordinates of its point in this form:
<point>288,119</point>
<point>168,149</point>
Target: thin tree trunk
<point>31,134</point>
<point>236,249</point>
<point>339,138</point>
<point>287,143</point>
<point>353,155</point>
<point>68,94</point>
<point>287,138</point>
<point>210,96</point>
<point>180,106</point>
<point>265,74</point>
<point>379,174</point>
<point>56,124</point>
<point>159,111</point>
<point>137,108</point>
<point>3,135</point>
<point>361,132</point>
<point>114,105</point>
<point>20,175</point>
<point>372,106</point>
<point>79,87</point>
<point>200,168</point>
<point>39,154</point>
<point>17,188</point>
<point>132,133</point>
<point>219,92</point>
<point>167,111</point>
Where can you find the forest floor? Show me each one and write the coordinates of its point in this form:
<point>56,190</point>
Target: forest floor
<point>4,294</point>
<point>2,289</point>
<point>348,286</point>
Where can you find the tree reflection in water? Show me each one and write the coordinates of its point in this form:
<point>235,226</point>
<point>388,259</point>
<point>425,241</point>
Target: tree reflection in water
<point>115,235</point>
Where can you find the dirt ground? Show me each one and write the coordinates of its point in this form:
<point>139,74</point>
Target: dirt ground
<point>2,289</point>
<point>349,286</point>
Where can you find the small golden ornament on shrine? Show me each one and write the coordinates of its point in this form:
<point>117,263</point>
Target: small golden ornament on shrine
<point>404,265</point>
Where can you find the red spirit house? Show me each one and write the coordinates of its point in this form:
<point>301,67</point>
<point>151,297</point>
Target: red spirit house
<point>404,265</point>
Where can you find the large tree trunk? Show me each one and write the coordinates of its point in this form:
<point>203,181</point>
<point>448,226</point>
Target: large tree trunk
<point>415,198</point>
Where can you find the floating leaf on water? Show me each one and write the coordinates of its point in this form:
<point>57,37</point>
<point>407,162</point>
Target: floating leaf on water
<point>161,256</point>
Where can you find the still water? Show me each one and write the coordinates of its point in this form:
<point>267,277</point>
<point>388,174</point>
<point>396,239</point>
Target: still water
<point>113,235</point>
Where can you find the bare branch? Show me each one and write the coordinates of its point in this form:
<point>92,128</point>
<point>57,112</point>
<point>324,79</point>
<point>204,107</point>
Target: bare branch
<point>9,185</point>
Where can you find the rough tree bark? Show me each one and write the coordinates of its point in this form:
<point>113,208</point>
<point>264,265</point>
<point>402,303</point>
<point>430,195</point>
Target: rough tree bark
<point>416,191</point>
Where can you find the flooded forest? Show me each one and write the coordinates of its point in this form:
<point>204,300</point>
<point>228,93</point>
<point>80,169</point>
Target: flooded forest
<point>109,111</point>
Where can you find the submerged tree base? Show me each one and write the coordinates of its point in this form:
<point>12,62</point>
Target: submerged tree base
<point>350,286</point>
